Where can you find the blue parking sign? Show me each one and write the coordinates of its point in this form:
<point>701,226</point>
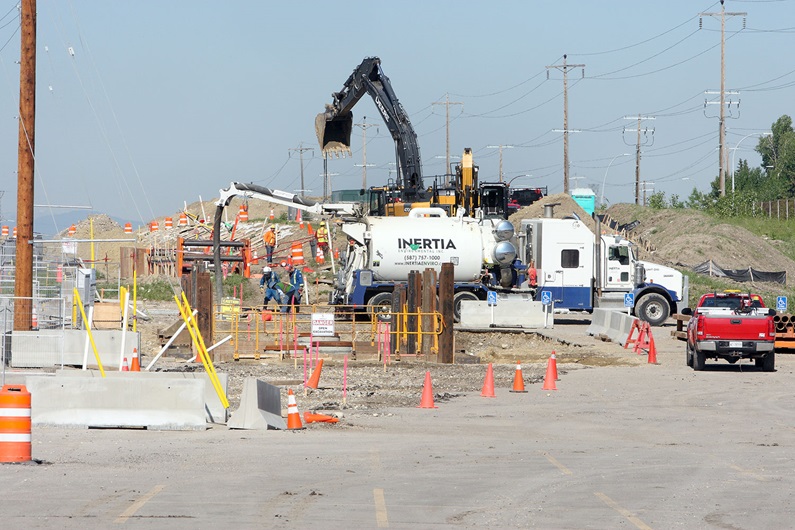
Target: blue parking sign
<point>492,298</point>
<point>629,299</point>
<point>546,297</point>
<point>781,304</point>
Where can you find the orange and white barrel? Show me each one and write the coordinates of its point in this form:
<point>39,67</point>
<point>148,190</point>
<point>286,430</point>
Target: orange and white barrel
<point>271,216</point>
<point>243,213</point>
<point>5,231</point>
<point>14,424</point>
<point>128,228</point>
<point>169,223</point>
<point>183,219</point>
<point>154,227</point>
<point>297,253</point>
<point>72,230</point>
<point>15,233</point>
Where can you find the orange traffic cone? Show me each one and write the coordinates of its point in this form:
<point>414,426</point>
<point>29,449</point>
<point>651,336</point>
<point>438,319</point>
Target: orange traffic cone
<point>554,362</point>
<point>320,259</point>
<point>314,379</point>
<point>293,417</point>
<point>549,378</point>
<point>135,366</point>
<point>518,380</point>
<point>427,394</point>
<point>652,359</point>
<point>125,367</point>
<point>309,229</point>
<point>312,418</point>
<point>300,219</point>
<point>271,216</point>
<point>488,383</point>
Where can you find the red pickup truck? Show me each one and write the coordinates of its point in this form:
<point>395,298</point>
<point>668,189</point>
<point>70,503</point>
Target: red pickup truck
<point>731,326</point>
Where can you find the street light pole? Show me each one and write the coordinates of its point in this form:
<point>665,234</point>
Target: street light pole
<point>517,177</point>
<point>734,151</point>
<point>604,180</point>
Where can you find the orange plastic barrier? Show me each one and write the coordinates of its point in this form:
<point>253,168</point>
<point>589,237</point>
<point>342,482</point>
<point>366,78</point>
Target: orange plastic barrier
<point>14,424</point>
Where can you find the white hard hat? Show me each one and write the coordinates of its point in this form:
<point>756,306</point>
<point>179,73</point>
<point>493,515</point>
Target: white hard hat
<point>266,270</point>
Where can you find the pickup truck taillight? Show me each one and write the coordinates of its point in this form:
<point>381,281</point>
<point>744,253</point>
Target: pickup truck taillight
<point>771,328</point>
<point>700,326</point>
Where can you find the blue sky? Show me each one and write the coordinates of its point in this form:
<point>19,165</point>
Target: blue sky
<point>163,102</point>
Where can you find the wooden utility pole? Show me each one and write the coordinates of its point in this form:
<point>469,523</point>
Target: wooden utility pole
<point>447,104</point>
<point>645,132</point>
<point>23,281</point>
<point>723,152</point>
<point>364,125</point>
<point>301,150</point>
<point>565,67</point>
<point>500,147</point>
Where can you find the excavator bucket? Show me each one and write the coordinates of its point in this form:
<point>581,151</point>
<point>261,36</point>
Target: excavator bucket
<point>334,134</point>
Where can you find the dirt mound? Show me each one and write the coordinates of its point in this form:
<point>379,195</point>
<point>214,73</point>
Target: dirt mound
<point>686,238</point>
<point>566,208</point>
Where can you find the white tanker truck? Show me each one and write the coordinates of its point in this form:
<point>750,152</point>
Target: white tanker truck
<point>383,250</point>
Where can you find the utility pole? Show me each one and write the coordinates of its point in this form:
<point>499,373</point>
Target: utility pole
<point>723,154</point>
<point>23,280</point>
<point>301,150</point>
<point>639,130</point>
<point>500,147</point>
<point>364,125</point>
<point>565,67</point>
<point>447,104</point>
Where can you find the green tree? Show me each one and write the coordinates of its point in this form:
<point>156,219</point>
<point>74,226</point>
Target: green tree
<point>778,155</point>
<point>657,200</point>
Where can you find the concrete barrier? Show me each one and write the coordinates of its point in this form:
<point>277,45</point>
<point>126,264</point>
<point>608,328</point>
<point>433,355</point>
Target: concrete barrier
<point>600,318</point>
<point>152,403</point>
<point>260,407</point>
<point>613,323</point>
<point>48,348</point>
<point>214,410</point>
<point>508,313</point>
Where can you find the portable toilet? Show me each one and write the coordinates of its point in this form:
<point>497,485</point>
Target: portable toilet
<point>586,198</point>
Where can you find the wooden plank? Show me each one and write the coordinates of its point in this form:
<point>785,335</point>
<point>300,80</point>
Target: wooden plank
<point>446,292</point>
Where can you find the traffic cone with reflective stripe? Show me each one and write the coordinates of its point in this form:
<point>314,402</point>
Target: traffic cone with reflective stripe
<point>135,365</point>
<point>488,383</point>
<point>554,362</point>
<point>125,367</point>
<point>293,417</point>
<point>652,359</point>
<point>518,380</point>
<point>314,379</point>
<point>427,394</point>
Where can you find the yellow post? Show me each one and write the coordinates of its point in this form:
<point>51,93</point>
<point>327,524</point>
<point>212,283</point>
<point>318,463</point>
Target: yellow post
<point>74,311</point>
<point>88,330</point>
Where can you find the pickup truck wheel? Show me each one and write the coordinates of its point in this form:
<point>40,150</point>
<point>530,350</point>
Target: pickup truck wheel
<point>653,308</point>
<point>458,298</point>
<point>769,364</point>
<point>689,356</point>
<point>699,360</point>
<point>380,306</point>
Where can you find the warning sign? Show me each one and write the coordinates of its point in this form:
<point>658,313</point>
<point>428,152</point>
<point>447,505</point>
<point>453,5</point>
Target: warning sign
<point>323,324</point>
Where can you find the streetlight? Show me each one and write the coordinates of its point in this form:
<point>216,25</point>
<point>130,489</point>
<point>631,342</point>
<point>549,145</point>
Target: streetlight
<point>604,180</point>
<point>517,177</point>
<point>734,151</point>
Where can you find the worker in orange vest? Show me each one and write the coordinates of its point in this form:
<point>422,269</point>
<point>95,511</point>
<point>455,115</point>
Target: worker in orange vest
<point>270,243</point>
<point>322,237</point>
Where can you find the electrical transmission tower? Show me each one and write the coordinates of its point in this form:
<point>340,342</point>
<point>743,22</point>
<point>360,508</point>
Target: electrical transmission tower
<point>565,67</point>
<point>723,155</point>
<point>647,132</point>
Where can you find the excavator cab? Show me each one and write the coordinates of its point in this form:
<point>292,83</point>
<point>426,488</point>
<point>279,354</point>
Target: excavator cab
<point>334,134</point>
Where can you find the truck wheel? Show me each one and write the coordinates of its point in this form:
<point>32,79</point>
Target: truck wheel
<point>380,306</point>
<point>699,360</point>
<point>458,298</point>
<point>769,364</point>
<point>689,355</point>
<point>653,308</point>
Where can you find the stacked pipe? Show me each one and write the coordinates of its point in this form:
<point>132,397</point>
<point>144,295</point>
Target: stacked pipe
<point>784,322</point>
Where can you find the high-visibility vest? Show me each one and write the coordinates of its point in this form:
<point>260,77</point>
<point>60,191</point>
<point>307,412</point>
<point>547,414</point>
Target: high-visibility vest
<point>322,235</point>
<point>270,238</point>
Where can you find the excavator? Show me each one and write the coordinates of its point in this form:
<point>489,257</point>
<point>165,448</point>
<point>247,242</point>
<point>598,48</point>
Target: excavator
<point>397,198</point>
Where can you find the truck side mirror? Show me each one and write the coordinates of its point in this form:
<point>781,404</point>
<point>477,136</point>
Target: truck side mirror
<point>772,312</point>
<point>686,311</point>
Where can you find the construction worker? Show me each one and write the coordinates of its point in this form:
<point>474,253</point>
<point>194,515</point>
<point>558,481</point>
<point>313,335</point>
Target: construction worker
<point>270,243</point>
<point>267,286</point>
<point>322,237</point>
<point>292,289</point>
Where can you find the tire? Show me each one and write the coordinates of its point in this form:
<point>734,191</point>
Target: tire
<point>380,306</point>
<point>769,364</point>
<point>689,356</point>
<point>699,360</point>
<point>653,308</point>
<point>458,298</point>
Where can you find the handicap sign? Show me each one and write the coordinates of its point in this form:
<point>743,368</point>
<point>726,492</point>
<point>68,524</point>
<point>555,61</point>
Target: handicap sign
<point>629,299</point>
<point>546,297</point>
<point>781,304</point>
<point>492,298</point>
